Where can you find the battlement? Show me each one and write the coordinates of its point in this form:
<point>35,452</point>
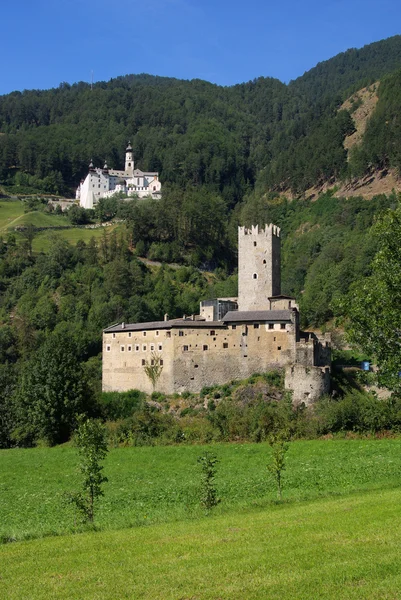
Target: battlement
<point>254,230</point>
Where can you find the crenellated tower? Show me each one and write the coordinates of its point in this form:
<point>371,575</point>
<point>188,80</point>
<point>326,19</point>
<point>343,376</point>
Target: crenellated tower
<point>259,276</point>
<point>129,160</point>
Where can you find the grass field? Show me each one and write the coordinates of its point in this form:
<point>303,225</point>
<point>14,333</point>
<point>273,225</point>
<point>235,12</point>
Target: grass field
<point>159,485</point>
<point>343,548</point>
<point>12,215</point>
<point>9,212</point>
<point>42,239</point>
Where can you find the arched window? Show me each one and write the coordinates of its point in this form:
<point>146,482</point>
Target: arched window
<point>255,275</point>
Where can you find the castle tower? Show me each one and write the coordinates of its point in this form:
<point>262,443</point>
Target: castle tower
<point>129,160</point>
<point>258,266</point>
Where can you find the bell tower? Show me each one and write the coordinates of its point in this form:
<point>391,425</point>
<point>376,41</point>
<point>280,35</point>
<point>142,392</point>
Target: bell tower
<point>129,160</point>
<point>258,267</point>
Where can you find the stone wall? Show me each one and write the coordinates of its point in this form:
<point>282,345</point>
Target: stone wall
<point>307,383</point>
<point>258,267</point>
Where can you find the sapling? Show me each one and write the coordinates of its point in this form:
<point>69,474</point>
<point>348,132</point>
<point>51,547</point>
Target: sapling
<point>90,439</point>
<point>279,445</point>
<point>208,492</point>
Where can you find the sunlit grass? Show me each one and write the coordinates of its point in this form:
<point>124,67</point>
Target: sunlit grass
<point>345,548</point>
<point>160,484</point>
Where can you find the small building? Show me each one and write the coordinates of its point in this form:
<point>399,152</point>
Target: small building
<point>105,182</point>
<point>231,338</point>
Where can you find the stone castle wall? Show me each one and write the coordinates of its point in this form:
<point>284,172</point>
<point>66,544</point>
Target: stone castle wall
<point>194,357</point>
<point>308,383</point>
<point>258,266</point>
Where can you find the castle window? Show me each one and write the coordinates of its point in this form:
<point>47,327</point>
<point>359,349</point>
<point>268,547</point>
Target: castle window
<point>205,347</point>
<point>255,275</point>
<point>212,332</point>
<point>114,335</point>
<point>144,348</point>
<point>122,348</point>
<point>185,348</point>
<point>195,366</point>
<point>129,334</point>
<point>161,362</point>
<point>282,325</point>
<point>255,244</point>
<point>160,347</point>
<point>271,325</point>
<point>234,327</point>
<point>180,333</point>
<point>168,333</point>
<point>152,347</point>
<point>278,347</point>
<point>143,362</point>
<point>225,345</point>
<point>144,333</point>
<point>256,325</point>
<point>264,261</point>
<point>108,348</point>
<point>157,333</point>
<point>129,348</point>
<point>137,348</point>
<point>152,362</point>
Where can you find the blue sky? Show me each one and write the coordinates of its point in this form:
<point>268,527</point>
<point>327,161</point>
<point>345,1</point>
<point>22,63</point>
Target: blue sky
<point>45,42</point>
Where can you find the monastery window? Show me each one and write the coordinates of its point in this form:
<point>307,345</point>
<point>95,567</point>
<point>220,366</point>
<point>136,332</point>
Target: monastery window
<point>152,347</point>
<point>282,325</point>
<point>143,362</point>
<point>108,348</point>
<point>122,348</point>
<point>137,348</point>
<point>160,347</point>
<point>271,325</point>
<point>205,347</point>
<point>185,348</point>
<point>180,333</point>
<point>144,348</point>
<point>129,348</point>
<point>255,276</point>
<point>256,325</point>
<point>225,345</point>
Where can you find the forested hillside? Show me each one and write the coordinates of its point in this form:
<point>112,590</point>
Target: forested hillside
<point>194,132</point>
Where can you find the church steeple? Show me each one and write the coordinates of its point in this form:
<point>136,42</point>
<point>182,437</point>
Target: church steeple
<point>129,160</point>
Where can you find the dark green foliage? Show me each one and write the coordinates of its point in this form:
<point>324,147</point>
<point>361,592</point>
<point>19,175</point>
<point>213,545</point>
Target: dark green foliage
<point>193,132</point>
<point>90,439</point>
<point>208,492</point>
<point>373,303</point>
<point>120,405</point>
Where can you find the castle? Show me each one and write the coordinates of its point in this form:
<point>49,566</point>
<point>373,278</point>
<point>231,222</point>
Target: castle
<point>103,183</point>
<point>231,338</point>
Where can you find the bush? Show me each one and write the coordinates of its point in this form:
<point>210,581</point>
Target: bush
<point>120,405</point>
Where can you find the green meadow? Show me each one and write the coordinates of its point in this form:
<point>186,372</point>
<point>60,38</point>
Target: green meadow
<point>12,215</point>
<point>153,485</point>
<point>337,533</point>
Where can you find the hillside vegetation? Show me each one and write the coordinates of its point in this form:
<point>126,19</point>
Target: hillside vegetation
<point>193,132</point>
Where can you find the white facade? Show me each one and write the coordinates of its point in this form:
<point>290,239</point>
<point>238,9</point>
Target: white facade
<point>104,183</point>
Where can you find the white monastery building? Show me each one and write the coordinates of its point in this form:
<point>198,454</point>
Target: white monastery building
<point>103,183</point>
